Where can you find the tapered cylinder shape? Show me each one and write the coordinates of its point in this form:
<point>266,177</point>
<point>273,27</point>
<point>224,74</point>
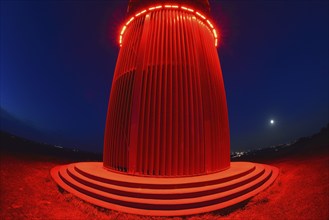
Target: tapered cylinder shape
<point>167,113</point>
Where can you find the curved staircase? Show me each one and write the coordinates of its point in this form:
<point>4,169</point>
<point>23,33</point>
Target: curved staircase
<point>164,196</point>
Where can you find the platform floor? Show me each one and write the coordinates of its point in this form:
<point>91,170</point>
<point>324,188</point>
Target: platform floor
<point>164,196</point>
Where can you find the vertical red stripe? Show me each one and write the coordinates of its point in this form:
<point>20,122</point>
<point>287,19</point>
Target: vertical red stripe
<point>167,112</point>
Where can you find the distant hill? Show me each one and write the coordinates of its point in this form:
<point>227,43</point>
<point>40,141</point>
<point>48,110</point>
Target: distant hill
<point>304,146</point>
<point>23,147</point>
<point>12,124</point>
<point>317,143</point>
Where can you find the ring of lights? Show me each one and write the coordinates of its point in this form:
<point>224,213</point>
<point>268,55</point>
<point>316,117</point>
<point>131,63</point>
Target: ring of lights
<point>196,13</point>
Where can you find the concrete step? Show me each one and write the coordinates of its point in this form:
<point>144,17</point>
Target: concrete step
<point>95,170</point>
<point>169,193</point>
<point>164,198</point>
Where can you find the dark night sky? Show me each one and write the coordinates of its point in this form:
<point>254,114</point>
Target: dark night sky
<point>58,59</point>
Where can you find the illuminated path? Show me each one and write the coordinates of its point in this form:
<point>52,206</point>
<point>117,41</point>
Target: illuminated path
<point>164,196</point>
<point>166,141</point>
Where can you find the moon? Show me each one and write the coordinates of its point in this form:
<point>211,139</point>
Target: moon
<point>272,121</point>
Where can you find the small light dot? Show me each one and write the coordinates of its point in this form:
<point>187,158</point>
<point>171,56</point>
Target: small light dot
<point>272,121</point>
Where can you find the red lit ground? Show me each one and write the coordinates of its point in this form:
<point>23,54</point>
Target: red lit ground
<point>300,192</point>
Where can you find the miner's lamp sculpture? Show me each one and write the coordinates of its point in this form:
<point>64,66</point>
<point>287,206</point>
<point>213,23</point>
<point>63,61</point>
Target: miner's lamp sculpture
<point>166,141</point>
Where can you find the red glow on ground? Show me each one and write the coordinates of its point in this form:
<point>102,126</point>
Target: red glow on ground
<point>27,190</point>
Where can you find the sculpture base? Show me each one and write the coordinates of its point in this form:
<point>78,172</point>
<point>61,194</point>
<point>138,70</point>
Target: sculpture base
<point>164,196</point>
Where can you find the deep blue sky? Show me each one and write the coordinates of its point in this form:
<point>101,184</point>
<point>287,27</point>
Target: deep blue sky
<point>58,59</point>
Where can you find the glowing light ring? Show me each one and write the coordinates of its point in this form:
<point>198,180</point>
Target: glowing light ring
<point>198,14</point>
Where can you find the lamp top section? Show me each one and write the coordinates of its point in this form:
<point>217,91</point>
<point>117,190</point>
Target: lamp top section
<point>135,5</point>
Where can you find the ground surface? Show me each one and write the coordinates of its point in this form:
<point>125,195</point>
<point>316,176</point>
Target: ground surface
<point>300,192</point>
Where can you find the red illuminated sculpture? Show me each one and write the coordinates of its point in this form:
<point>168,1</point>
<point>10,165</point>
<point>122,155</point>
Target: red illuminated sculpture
<point>166,145</point>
